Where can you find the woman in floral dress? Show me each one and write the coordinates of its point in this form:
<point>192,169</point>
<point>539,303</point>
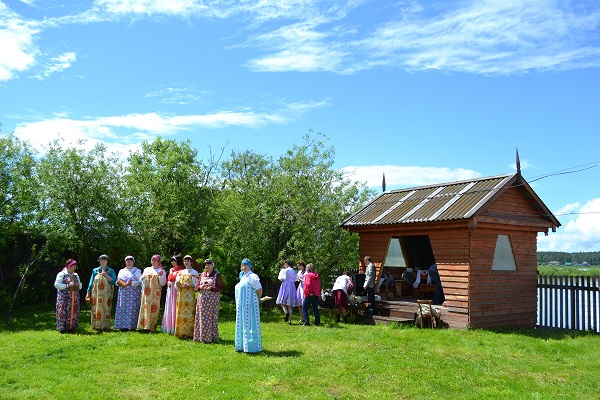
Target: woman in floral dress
<point>187,279</point>
<point>206,328</point>
<point>153,279</point>
<point>100,294</point>
<point>129,296</point>
<point>68,285</point>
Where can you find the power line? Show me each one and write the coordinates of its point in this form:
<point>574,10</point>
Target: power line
<point>571,170</point>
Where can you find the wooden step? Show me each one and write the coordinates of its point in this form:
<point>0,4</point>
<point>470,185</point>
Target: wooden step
<point>383,320</point>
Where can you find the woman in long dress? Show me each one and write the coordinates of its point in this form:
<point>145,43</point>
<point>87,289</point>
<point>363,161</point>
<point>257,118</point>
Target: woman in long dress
<point>300,289</point>
<point>187,279</point>
<point>287,297</point>
<point>100,294</point>
<point>170,311</point>
<point>127,310</point>
<point>206,328</point>
<point>153,279</point>
<point>68,285</point>
<point>248,337</point>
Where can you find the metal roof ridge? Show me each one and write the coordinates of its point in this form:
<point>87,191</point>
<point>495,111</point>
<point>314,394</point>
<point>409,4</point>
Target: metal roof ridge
<point>487,178</point>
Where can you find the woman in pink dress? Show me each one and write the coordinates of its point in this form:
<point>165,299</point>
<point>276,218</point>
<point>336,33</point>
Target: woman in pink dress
<point>170,312</point>
<point>207,308</point>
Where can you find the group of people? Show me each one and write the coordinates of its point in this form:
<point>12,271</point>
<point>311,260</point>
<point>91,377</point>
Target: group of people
<point>301,288</point>
<point>139,294</point>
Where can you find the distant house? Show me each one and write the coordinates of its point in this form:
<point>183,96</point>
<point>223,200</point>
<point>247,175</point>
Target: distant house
<point>568,264</point>
<point>556,263</point>
<point>482,233</point>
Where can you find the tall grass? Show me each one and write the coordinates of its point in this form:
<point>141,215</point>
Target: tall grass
<point>561,270</point>
<point>331,361</point>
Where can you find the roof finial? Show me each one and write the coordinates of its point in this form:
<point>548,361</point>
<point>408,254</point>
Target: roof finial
<point>518,167</point>
<point>383,183</point>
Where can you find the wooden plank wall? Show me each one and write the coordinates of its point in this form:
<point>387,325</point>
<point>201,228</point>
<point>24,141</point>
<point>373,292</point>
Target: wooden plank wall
<point>373,245</point>
<point>512,202</point>
<point>503,298</point>
<point>451,252</point>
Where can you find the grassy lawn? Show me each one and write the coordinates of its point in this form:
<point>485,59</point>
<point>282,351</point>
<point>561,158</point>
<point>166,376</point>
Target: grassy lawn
<point>561,270</point>
<point>331,361</point>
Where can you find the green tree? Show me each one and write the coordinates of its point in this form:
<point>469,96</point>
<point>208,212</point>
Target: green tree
<point>18,206</point>
<point>291,208</point>
<point>81,209</point>
<point>169,198</point>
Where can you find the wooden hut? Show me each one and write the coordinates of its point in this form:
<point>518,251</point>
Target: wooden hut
<point>482,233</point>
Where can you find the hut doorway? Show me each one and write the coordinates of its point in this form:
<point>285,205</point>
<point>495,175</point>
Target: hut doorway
<point>404,252</point>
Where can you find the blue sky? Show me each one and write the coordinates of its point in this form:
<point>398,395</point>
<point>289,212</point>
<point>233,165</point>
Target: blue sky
<point>423,91</point>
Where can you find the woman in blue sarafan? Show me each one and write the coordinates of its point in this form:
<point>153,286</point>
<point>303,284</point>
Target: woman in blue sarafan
<point>248,291</point>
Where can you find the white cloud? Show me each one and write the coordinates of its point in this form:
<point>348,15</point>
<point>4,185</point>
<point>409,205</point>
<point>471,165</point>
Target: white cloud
<point>175,95</point>
<point>150,7</point>
<point>57,64</point>
<point>300,48</point>
<point>579,234</point>
<point>129,130</point>
<point>484,37</point>
<point>406,176</point>
<point>17,46</point>
<point>491,37</point>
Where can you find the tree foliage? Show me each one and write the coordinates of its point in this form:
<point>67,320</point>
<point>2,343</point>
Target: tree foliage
<point>165,199</point>
<point>80,196</point>
<point>168,198</point>
<point>289,208</point>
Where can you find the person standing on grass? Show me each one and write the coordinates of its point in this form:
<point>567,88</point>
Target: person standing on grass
<point>68,285</point>
<point>300,289</point>
<point>248,291</point>
<point>153,279</point>
<point>129,295</point>
<point>170,310</point>
<point>341,288</point>
<point>287,297</point>
<point>100,294</point>
<point>312,293</point>
<point>206,328</point>
<point>369,286</point>
<point>187,279</point>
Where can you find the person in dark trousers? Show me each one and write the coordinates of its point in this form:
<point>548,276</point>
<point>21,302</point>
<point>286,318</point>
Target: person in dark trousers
<point>438,297</point>
<point>369,286</point>
<point>312,293</point>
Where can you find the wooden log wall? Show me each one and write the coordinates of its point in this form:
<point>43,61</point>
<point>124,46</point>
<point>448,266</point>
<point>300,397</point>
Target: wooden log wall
<point>451,252</point>
<point>375,246</point>
<point>503,298</point>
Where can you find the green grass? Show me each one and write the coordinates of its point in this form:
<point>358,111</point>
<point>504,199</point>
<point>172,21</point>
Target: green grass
<point>332,361</point>
<point>561,270</point>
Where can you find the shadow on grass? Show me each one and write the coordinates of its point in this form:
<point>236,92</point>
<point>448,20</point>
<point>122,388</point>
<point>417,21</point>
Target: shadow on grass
<point>269,353</point>
<point>543,333</point>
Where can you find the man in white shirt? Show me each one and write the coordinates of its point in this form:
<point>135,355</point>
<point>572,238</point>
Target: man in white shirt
<point>369,285</point>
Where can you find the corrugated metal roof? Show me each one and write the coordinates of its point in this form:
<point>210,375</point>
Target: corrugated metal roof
<point>446,201</point>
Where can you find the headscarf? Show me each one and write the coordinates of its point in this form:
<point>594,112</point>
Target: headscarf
<point>247,262</point>
<point>74,262</point>
<point>211,261</point>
